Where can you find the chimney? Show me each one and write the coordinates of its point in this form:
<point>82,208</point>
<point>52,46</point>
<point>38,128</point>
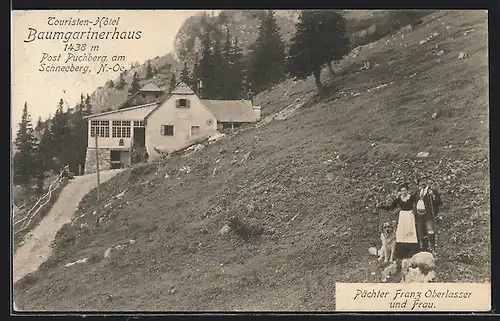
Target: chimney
<point>256,110</point>
<point>200,88</point>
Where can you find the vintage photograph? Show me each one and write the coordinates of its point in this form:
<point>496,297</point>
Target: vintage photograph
<point>248,160</point>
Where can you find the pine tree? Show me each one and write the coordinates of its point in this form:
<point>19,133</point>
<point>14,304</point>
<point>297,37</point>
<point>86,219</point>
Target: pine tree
<point>61,137</point>
<point>237,71</point>
<point>218,72</point>
<point>149,70</point>
<point>320,37</point>
<point>226,68</point>
<point>134,86</point>
<point>39,124</point>
<point>195,74</point>
<point>206,66</point>
<point>81,105</point>
<point>80,133</point>
<point>44,157</point>
<point>24,162</point>
<point>185,76</point>
<point>173,83</point>
<point>88,106</point>
<point>268,57</point>
<point>121,82</point>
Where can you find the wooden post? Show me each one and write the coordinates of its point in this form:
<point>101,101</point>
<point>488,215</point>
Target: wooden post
<point>97,164</point>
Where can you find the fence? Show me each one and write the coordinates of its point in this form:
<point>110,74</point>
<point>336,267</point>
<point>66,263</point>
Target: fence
<point>24,217</point>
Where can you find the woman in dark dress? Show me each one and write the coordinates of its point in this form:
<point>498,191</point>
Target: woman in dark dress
<point>406,233</point>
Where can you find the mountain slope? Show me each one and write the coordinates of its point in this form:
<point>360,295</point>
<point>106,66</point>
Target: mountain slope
<point>243,24</point>
<point>310,182</point>
<point>363,26</point>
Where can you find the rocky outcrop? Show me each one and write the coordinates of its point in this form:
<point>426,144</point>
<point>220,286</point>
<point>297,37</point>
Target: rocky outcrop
<point>243,24</point>
<point>420,268</point>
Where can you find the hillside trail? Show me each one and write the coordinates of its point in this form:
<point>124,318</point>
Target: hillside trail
<point>37,246</point>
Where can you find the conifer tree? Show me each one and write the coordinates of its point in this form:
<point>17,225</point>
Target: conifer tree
<point>226,68</point>
<point>173,83</point>
<point>61,137</point>
<point>149,70</point>
<point>24,162</point>
<point>121,82</point>
<point>39,124</point>
<point>134,86</point>
<point>206,66</point>
<point>218,72</point>
<point>236,71</point>
<point>320,37</point>
<point>44,158</point>
<point>80,133</point>
<point>185,76</point>
<point>195,74</point>
<point>88,106</point>
<point>268,57</point>
<point>81,105</point>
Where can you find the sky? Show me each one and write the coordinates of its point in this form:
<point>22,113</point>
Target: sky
<point>42,90</point>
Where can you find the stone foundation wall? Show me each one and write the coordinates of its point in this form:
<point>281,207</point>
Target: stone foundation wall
<point>104,160</point>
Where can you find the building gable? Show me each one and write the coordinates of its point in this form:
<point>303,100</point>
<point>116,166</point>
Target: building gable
<point>150,87</point>
<point>176,98</point>
<point>180,91</point>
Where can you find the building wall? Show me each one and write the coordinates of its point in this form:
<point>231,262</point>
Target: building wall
<point>182,119</point>
<point>104,160</point>
<point>137,114</point>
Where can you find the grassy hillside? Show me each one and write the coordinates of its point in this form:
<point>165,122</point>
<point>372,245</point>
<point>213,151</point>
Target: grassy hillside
<point>306,193</point>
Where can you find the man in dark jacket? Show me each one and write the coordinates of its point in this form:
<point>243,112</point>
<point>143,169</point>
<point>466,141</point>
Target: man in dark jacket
<point>428,203</point>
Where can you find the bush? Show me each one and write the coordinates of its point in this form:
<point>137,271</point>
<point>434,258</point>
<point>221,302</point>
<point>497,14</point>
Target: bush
<point>243,230</point>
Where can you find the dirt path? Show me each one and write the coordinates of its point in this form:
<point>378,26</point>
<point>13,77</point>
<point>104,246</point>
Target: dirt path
<point>36,248</point>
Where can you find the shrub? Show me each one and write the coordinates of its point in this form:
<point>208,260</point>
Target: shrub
<point>243,230</point>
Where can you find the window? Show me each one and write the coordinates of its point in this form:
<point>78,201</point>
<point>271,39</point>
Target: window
<point>167,130</point>
<point>182,103</point>
<point>138,123</point>
<point>157,95</point>
<point>195,130</point>
<point>121,128</point>
<point>99,128</point>
<point>143,95</point>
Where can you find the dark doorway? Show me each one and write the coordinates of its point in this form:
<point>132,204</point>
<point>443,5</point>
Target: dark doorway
<point>139,137</point>
<point>115,159</point>
<point>139,145</point>
<point>115,156</point>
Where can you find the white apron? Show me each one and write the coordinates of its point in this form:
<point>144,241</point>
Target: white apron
<point>406,232</point>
